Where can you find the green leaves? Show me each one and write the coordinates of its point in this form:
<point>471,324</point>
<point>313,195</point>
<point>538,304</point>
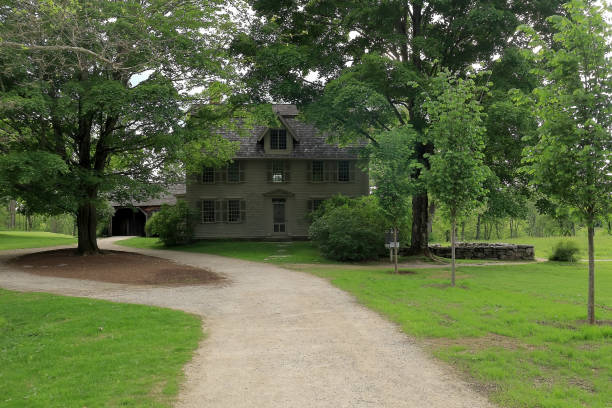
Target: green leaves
<point>393,165</point>
<point>571,160</point>
<point>457,172</point>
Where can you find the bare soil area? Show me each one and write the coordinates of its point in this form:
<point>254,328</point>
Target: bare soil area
<point>114,267</point>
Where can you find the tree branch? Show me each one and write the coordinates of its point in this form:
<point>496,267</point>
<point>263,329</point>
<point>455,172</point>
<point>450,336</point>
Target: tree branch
<point>59,48</point>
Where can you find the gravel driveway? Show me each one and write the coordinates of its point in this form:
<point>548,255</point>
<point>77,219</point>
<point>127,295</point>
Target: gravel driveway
<point>280,338</point>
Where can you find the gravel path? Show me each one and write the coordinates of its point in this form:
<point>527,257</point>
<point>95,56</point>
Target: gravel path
<point>280,338</point>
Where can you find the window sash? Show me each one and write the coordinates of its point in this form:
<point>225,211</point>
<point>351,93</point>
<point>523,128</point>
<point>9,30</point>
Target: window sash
<point>235,172</point>
<point>279,171</point>
<point>317,171</point>
<point>208,175</point>
<point>344,171</point>
<point>233,211</point>
<point>207,208</point>
<point>278,139</point>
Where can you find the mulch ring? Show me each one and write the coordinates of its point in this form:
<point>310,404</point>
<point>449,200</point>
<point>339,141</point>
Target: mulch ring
<point>115,267</point>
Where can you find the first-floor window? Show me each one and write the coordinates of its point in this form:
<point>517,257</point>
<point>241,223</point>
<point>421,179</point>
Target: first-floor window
<point>208,211</point>
<point>314,204</point>
<point>233,211</point>
<point>230,211</point>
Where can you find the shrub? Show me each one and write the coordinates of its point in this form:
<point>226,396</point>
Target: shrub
<point>173,224</point>
<point>565,251</point>
<point>350,229</point>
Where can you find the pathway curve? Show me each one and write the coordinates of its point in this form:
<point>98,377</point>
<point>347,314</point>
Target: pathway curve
<point>280,338</point>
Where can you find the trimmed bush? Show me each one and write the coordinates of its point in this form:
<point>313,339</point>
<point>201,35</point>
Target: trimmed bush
<point>349,229</point>
<point>565,251</point>
<point>173,224</point>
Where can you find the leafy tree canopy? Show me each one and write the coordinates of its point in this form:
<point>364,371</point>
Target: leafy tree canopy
<point>95,97</point>
<point>360,68</point>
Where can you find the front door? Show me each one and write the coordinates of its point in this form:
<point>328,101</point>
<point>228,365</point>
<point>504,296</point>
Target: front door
<point>278,215</point>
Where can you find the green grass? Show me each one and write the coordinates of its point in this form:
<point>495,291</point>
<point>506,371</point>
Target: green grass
<point>273,252</point>
<point>22,239</point>
<point>514,329</point>
<point>543,245</point>
<point>59,351</point>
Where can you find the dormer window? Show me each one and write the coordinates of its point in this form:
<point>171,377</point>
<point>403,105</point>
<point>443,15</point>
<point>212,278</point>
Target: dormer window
<point>278,139</point>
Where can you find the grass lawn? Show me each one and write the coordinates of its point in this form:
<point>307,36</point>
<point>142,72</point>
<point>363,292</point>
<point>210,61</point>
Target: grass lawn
<point>58,351</point>
<point>23,239</point>
<point>275,252</point>
<point>514,329</point>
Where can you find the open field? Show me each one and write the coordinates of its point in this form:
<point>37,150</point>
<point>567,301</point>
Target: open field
<point>518,331</point>
<point>60,351</point>
<point>32,239</point>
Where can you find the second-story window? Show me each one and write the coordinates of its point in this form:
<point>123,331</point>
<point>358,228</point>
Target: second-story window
<point>316,171</point>
<point>344,170</point>
<point>208,175</point>
<point>278,139</point>
<point>278,171</point>
<point>235,172</point>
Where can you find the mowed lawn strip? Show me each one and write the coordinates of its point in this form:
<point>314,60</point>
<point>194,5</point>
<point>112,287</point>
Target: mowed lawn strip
<point>273,252</point>
<point>58,351</point>
<point>516,330</point>
<point>32,239</point>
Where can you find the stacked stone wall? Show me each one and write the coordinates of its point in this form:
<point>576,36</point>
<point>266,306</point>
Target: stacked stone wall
<point>466,250</point>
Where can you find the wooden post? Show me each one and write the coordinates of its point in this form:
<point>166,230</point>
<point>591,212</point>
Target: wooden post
<point>453,232</point>
<point>396,247</point>
<point>591,302</point>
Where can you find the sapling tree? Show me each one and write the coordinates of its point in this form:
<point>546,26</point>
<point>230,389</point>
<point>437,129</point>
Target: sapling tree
<point>570,160</point>
<point>392,163</point>
<point>456,174</point>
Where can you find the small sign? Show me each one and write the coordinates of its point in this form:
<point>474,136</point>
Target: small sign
<point>392,245</point>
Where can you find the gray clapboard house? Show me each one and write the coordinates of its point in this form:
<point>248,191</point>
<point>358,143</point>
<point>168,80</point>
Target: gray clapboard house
<point>278,176</point>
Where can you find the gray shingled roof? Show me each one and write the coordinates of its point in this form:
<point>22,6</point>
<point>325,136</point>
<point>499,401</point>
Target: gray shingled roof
<point>168,198</point>
<point>311,144</point>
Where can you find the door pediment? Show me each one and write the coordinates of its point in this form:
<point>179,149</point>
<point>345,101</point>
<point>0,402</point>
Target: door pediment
<point>279,193</point>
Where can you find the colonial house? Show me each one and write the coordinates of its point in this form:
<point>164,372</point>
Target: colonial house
<point>278,176</point>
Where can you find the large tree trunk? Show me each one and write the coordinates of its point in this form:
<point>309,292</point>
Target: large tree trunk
<point>591,306</point>
<point>86,224</point>
<point>12,214</point>
<point>419,239</point>
<point>478,228</point>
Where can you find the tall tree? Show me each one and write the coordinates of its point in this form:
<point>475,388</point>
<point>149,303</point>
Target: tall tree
<point>93,98</point>
<point>353,64</point>
<point>572,160</point>
<point>457,172</point>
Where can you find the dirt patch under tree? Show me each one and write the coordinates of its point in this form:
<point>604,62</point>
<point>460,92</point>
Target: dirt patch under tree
<point>115,267</point>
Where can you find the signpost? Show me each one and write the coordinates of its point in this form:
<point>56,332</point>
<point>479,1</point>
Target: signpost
<point>393,245</point>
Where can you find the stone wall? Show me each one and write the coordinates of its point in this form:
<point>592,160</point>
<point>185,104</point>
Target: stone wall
<point>466,250</point>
